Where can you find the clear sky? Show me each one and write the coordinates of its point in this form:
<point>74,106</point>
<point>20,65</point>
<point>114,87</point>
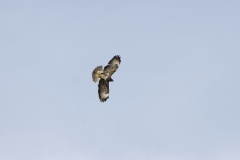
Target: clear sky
<point>176,95</point>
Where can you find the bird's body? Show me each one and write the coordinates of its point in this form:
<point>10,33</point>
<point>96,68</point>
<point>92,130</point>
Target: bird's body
<point>104,77</point>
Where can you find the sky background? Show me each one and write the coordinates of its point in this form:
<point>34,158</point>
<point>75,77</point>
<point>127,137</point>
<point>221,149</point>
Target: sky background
<point>175,96</point>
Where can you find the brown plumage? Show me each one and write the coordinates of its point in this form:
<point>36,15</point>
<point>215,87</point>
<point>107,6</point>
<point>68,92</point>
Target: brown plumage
<point>104,77</point>
<point>103,90</point>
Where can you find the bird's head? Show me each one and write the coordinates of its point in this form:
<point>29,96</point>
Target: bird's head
<point>110,79</point>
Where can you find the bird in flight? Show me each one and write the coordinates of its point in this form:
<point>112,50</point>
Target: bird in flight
<point>103,75</point>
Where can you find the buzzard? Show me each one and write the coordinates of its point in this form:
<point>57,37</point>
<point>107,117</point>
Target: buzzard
<point>104,77</point>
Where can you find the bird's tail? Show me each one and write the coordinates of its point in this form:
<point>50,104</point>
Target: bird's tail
<point>96,73</point>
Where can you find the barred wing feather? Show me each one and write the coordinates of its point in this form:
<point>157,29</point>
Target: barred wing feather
<point>103,90</point>
<point>113,65</point>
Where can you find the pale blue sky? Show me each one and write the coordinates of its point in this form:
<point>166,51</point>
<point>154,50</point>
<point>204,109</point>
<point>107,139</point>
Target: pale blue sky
<point>176,95</point>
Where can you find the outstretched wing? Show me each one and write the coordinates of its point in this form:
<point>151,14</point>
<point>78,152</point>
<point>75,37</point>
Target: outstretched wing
<point>103,90</point>
<point>113,65</point>
<point>115,60</point>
